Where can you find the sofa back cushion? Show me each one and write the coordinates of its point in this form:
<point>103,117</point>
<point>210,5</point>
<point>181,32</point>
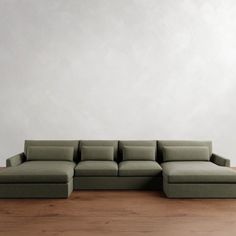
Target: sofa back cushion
<point>49,153</point>
<point>99,143</point>
<point>181,143</point>
<point>97,153</point>
<point>185,153</point>
<point>136,153</point>
<point>137,143</point>
<point>56,143</point>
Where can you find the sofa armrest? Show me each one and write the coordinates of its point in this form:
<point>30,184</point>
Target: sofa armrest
<point>220,161</point>
<point>15,160</point>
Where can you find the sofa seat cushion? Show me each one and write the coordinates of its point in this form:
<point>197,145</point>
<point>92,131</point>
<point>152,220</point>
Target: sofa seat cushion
<point>96,168</point>
<point>39,172</point>
<point>197,172</point>
<point>139,168</point>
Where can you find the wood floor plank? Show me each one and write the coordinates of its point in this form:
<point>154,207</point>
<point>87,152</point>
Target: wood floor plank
<point>117,213</point>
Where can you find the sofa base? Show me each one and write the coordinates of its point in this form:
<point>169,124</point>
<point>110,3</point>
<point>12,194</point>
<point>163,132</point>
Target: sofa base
<point>36,190</point>
<point>200,190</point>
<point>125,183</point>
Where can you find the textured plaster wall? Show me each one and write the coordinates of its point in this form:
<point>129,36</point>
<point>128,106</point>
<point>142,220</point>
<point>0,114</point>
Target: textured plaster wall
<point>117,69</point>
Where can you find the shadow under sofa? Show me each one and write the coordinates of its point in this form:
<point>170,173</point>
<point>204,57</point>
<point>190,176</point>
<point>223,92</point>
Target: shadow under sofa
<point>54,168</point>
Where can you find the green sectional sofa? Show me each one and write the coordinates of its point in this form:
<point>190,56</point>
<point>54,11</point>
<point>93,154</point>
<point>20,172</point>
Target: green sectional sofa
<point>54,168</point>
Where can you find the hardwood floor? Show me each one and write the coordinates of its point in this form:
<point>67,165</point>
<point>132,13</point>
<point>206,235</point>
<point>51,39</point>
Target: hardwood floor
<point>119,213</point>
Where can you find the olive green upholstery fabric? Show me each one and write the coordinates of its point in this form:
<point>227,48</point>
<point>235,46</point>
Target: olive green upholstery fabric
<point>180,143</point>
<point>39,172</point>
<point>139,168</point>
<point>185,153</point>
<point>96,168</point>
<point>97,153</point>
<point>139,153</point>
<point>15,160</point>
<point>181,179</point>
<point>60,143</point>
<point>36,190</point>
<point>100,143</point>
<point>49,153</point>
<point>199,190</point>
<point>197,172</point>
<point>221,161</point>
<point>135,143</point>
<point>118,182</point>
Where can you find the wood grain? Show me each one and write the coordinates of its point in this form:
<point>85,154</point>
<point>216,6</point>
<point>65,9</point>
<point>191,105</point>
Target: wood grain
<point>117,213</point>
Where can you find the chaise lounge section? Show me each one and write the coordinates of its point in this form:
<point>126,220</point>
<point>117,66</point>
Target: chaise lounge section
<point>44,170</point>
<point>190,170</point>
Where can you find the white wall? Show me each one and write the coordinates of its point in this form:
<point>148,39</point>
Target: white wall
<point>117,69</point>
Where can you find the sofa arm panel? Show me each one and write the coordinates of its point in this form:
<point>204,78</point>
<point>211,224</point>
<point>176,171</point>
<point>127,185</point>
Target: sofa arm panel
<point>220,161</point>
<point>15,160</point>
